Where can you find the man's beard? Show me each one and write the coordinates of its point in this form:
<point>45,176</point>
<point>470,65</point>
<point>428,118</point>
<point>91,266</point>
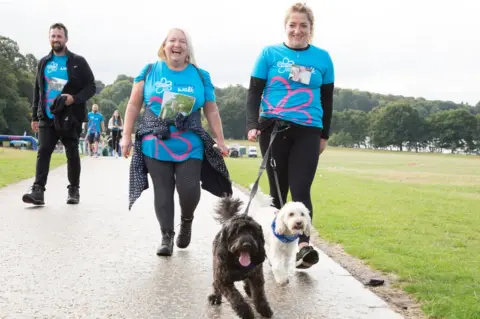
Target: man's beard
<point>57,47</point>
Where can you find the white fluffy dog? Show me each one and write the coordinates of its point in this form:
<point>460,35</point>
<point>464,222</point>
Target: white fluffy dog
<point>281,229</point>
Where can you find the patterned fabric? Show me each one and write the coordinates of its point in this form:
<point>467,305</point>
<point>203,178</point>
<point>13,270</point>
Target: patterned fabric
<point>215,177</point>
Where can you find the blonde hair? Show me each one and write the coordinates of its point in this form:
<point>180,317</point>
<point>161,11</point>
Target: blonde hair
<point>302,8</point>
<point>190,57</point>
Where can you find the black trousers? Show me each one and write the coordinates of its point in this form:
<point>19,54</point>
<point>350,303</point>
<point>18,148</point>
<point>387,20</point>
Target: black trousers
<point>296,152</point>
<point>115,140</point>
<point>48,138</point>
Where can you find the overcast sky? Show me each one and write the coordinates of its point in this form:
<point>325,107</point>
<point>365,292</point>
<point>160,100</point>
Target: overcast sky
<point>408,47</point>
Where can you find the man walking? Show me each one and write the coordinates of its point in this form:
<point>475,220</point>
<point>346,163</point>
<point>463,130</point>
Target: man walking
<point>64,82</point>
<point>95,127</point>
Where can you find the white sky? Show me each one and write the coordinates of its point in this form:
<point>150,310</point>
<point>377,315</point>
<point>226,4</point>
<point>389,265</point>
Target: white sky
<point>408,47</point>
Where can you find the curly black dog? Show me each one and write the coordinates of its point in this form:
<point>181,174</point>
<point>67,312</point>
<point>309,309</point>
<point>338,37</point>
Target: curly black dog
<point>238,254</point>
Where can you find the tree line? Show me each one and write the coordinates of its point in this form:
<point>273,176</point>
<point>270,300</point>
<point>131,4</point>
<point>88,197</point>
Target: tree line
<point>360,119</point>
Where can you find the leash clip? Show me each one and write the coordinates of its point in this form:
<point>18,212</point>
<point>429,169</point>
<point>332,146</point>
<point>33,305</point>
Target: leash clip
<point>273,164</point>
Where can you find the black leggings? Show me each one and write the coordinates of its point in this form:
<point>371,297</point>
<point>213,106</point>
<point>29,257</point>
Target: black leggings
<point>165,176</point>
<point>296,152</point>
<point>115,140</point>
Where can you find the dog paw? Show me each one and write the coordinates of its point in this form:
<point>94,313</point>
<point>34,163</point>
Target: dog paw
<point>281,278</point>
<point>264,309</point>
<point>245,312</point>
<point>214,299</point>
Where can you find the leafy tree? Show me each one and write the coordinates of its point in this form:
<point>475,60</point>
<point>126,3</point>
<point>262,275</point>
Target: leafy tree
<point>14,109</point>
<point>123,77</point>
<point>353,122</point>
<point>476,109</point>
<point>453,129</point>
<point>9,50</point>
<point>394,125</point>
<point>107,107</point>
<point>99,86</point>
<point>231,104</point>
<point>476,135</point>
<point>342,138</point>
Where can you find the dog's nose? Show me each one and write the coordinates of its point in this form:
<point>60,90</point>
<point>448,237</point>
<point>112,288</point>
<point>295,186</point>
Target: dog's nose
<point>246,245</point>
<point>299,223</point>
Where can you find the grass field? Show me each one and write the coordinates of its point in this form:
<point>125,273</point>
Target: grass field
<point>414,215</point>
<point>16,165</point>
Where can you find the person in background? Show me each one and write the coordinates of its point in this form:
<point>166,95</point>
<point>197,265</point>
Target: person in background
<point>95,126</point>
<point>293,84</point>
<point>60,74</point>
<point>115,125</point>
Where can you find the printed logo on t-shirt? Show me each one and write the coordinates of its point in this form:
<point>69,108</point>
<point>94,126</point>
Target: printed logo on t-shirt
<point>285,65</point>
<point>186,89</point>
<point>301,74</point>
<point>52,67</point>
<point>174,103</point>
<point>56,84</point>
<point>163,85</point>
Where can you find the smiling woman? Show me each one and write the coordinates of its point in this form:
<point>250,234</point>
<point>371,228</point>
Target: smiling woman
<point>293,84</point>
<point>171,144</point>
<point>179,47</point>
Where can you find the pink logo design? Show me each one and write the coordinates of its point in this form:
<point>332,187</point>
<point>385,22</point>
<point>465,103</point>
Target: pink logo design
<point>48,102</point>
<point>280,106</point>
<point>174,135</point>
<point>155,99</point>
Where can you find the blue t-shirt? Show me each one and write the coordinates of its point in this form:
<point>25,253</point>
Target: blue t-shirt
<point>94,122</point>
<point>56,77</point>
<point>162,83</point>
<point>294,77</point>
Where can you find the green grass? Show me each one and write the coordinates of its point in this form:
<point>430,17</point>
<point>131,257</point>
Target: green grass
<point>415,215</point>
<point>16,165</point>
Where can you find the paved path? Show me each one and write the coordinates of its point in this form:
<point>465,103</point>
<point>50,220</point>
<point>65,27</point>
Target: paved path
<point>97,260</point>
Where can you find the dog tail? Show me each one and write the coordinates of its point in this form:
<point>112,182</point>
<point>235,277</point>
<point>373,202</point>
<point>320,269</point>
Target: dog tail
<point>261,199</point>
<point>226,208</point>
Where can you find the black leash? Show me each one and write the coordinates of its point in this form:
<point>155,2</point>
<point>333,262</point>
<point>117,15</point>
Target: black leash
<point>263,165</point>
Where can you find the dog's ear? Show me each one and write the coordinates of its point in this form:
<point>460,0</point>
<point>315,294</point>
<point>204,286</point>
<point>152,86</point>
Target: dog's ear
<point>280,226</point>
<point>222,244</point>
<point>308,228</point>
<point>259,235</point>
<point>259,257</point>
<point>308,224</point>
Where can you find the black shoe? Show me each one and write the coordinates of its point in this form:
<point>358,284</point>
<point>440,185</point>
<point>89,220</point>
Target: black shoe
<point>185,233</point>
<point>73,195</point>
<point>306,257</point>
<point>35,196</point>
<point>166,248</point>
